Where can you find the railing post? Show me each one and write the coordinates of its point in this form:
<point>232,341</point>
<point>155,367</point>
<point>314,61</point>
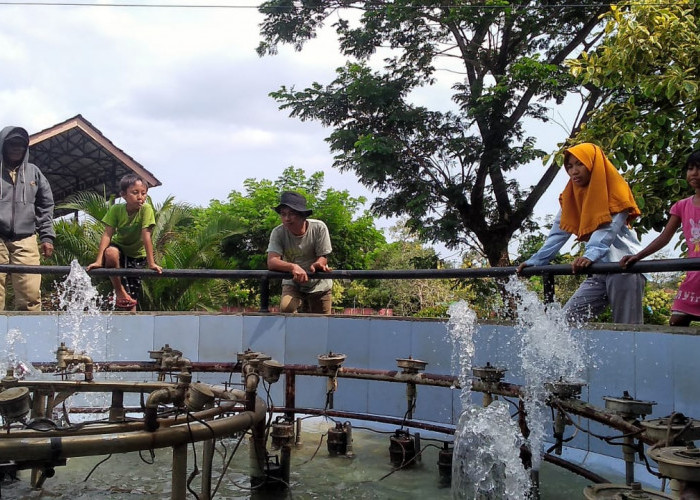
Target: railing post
<point>265,295</point>
<point>548,287</point>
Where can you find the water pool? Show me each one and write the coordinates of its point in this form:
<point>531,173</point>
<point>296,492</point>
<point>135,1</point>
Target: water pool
<point>314,474</point>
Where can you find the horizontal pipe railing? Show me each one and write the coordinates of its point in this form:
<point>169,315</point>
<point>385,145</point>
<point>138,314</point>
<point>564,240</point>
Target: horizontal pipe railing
<point>646,266</point>
<point>264,276</point>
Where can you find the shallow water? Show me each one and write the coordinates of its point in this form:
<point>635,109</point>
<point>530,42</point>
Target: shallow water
<point>315,475</point>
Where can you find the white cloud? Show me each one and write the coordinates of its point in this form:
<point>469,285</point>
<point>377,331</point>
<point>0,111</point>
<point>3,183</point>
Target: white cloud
<point>180,90</point>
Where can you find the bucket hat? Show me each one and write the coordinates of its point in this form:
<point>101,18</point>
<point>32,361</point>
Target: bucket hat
<point>295,201</point>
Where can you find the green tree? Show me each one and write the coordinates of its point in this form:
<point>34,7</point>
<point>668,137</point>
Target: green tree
<point>407,297</point>
<point>647,71</point>
<point>352,229</point>
<point>450,173</point>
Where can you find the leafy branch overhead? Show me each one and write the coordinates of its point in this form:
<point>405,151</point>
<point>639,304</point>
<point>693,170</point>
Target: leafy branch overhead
<point>452,173</point>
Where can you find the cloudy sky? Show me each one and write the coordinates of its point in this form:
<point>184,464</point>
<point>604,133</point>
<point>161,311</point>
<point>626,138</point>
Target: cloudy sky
<point>181,90</point>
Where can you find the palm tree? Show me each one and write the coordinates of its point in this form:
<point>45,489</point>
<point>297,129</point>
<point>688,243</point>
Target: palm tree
<point>178,243</point>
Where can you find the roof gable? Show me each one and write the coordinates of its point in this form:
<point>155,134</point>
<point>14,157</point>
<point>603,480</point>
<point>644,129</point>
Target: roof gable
<point>75,156</point>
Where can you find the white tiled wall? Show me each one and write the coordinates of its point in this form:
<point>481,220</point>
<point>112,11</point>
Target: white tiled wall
<point>651,365</point>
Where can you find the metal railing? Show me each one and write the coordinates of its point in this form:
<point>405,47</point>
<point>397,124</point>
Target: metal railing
<point>264,277</point>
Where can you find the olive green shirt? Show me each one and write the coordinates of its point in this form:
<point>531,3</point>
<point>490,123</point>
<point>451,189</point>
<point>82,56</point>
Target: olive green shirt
<point>303,250</point>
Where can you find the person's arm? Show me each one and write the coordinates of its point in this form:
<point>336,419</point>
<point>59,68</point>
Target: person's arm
<point>104,243</point>
<point>148,246</point>
<point>275,263</point>
<point>43,211</point>
<point>555,240</point>
<point>674,222</point>
<point>599,242</point>
<point>322,249</point>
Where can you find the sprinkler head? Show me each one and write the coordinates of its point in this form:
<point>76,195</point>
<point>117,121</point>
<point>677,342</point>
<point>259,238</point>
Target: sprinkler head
<point>15,403</point>
<point>678,462</point>
<point>271,370</point>
<point>331,361</point>
<point>564,390</point>
<point>489,373</point>
<point>628,407</point>
<point>682,429</point>
<point>410,365</point>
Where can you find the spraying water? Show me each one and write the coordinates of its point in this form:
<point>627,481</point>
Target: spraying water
<point>462,325</point>
<point>486,457</point>
<point>14,355</point>
<point>549,353</point>
<point>84,327</point>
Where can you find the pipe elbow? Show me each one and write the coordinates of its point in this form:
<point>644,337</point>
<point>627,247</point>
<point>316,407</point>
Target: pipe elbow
<point>83,358</point>
<point>251,382</point>
<point>165,395</point>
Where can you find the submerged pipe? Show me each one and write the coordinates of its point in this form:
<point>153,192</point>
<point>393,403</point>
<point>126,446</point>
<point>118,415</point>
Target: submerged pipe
<point>71,445</point>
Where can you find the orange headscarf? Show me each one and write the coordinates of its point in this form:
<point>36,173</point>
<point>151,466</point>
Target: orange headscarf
<point>584,209</point>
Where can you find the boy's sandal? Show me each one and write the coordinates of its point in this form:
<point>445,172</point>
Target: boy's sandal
<point>125,303</point>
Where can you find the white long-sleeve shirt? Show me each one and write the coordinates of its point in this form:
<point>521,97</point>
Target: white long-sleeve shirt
<point>609,243</point>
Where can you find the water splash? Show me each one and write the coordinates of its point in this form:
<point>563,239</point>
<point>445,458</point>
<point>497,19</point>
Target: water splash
<point>14,355</point>
<point>84,328</point>
<point>486,457</point>
<point>486,460</point>
<point>462,325</point>
<point>549,352</point>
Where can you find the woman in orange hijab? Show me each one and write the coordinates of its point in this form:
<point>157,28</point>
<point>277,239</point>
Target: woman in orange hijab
<point>597,206</point>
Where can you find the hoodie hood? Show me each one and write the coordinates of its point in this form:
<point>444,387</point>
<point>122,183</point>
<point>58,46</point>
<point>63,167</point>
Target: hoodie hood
<point>13,132</point>
<point>10,133</point>
<point>26,201</point>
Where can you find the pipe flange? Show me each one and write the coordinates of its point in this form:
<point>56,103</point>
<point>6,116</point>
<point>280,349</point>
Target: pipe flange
<point>678,462</point>
<point>618,491</point>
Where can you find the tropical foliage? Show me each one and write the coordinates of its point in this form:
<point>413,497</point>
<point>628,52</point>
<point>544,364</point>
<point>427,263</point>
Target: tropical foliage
<point>647,71</point>
<point>178,244</point>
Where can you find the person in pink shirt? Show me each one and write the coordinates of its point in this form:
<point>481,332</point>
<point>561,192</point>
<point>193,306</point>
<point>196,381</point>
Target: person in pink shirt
<point>685,213</point>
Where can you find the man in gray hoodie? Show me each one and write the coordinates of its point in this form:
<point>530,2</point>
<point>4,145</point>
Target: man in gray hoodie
<point>26,208</point>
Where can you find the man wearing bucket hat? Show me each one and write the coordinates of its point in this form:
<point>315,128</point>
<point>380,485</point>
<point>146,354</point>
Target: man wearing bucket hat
<point>26,208</point>
<point>300,246</point>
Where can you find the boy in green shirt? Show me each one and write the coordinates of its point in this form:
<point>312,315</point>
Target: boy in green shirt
<point>126,241</point>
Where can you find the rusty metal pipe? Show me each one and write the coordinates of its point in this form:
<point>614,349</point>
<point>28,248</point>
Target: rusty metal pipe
<point>118,427</point>
<point>574,406</point>
<point>144,366</point>
<point>71,445</point>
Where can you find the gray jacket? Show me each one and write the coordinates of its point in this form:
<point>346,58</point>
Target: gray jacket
<point>26,206</point>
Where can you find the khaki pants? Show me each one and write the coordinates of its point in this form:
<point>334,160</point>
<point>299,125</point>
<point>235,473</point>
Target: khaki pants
<point>27,287</point>
<point>315,303</point>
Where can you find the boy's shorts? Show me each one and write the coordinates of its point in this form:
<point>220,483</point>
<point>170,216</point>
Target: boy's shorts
<point>132,284</point>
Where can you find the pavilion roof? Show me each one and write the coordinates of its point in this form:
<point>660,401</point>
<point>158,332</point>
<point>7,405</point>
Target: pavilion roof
<point>75,156</point>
